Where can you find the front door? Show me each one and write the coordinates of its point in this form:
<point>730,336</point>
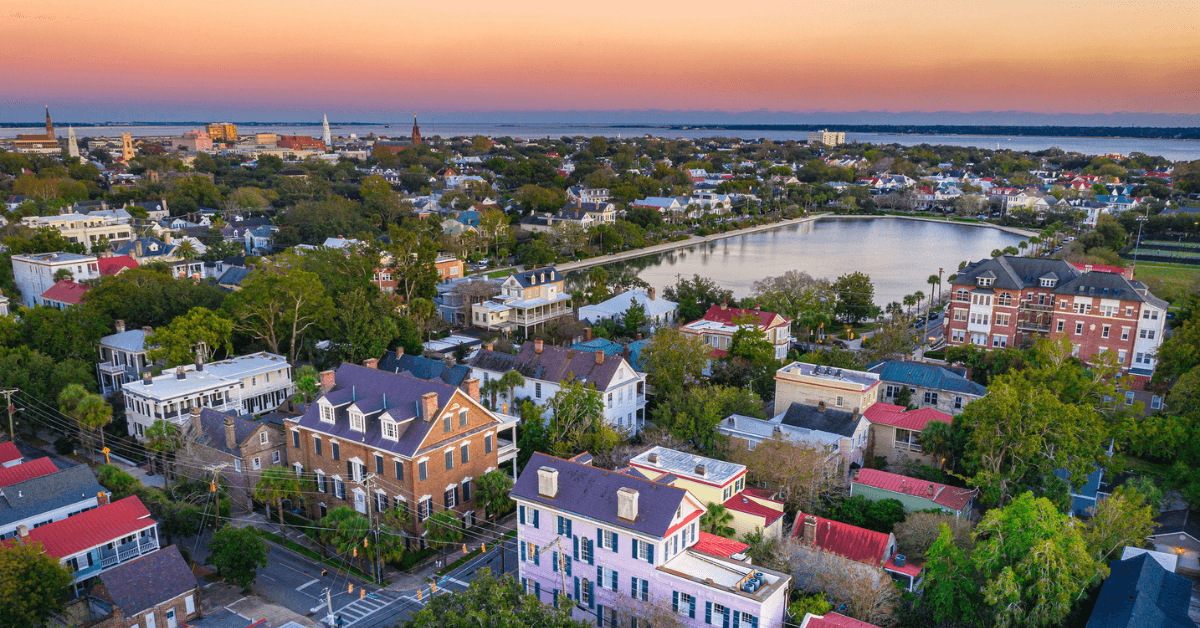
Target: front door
<point>171,618</point>
<point>360,501</point>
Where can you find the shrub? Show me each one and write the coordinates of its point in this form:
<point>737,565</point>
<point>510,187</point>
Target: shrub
<point>65,445</point>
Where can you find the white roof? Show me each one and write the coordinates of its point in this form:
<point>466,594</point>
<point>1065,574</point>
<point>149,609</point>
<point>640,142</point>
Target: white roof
<point>724,574</point>
<point>684,465</point>
<point>620,303</point>
<point>1167,560</point>
<point>216,375</point>
<point>745,426</point>
<point>247,365</point>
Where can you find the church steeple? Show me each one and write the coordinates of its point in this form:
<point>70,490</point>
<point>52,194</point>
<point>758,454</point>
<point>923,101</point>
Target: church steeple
<point>416,137</point>
<point>325,135</point>
<point>49,124</point>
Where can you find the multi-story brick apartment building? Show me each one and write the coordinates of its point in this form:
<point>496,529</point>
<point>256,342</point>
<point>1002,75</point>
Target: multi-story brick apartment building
<point>1008,300</point>
<point>402,442</point>
<point>623,549</point>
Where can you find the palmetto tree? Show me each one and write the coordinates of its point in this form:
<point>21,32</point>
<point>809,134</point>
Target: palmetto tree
<point>163,437</point>
<point>89,410</point>
<point>1022,245</point>
<point>919,296</point>
<point>511,380</point>
<point>490,389</point>
<point>934,281</point>
<point>1037,245</point>
<point>909,301</point>
<point>894,309</point>
<point>716,521</point>
<point>186,250</point>
<point>275,485</point>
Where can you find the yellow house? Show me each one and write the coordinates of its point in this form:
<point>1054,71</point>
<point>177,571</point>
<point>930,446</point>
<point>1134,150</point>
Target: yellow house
<point>714,481</point>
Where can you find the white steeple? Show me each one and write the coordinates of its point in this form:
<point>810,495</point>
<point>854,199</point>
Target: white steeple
<point>325,132</point>
<point>72,145</point>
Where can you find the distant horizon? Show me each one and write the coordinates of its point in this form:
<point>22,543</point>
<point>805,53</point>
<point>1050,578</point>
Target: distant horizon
<point>66,113</point>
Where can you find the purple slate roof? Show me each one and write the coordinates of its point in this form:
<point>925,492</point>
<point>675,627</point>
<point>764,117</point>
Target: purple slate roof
<point>554,364</point>
<point>367,387</point>
<point>592,492</point>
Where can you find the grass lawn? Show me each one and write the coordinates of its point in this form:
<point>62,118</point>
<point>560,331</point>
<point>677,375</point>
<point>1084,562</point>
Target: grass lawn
<point>1169,281</point>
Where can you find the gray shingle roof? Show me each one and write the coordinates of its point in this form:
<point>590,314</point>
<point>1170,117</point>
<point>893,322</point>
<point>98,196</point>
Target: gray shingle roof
<point>592,492</point>
<point>1013,273</point>
<point>537,277</point>
<point>49,492</point>
<point>832,421</point>
<point>425,368</point>
<point>133,340</point>
<point>553,364</point>
<point>142,584</point>
<point>212,425</point>
<point>1140,593</point>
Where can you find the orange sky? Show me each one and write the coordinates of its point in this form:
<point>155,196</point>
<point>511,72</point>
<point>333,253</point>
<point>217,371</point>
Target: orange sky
<point>899,55</point>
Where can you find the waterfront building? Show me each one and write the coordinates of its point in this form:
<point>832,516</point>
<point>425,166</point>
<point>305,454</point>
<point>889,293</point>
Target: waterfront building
<point>38,143</point>
<point>1007,300</point>
<point>35,273</point>
<point>615,546</point>
<point>222,131</point>
<point>527,301</point>
<point>720,322</point>
<point>826,137</point>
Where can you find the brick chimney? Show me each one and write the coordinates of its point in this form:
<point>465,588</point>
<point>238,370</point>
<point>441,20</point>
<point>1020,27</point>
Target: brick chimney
<point>230,437</point>
<point>724,305</point>
<point>371,363</point>
<point>194,419</point>
<point>471,386</point>
<point>537,346</point>
<point>120,326</point>
<point>809,535</point>
<point>148,330</point>
<point>599,356</point>
<point>490,346</point>
<point>22,531</point>
<point>639,336</point>
<point>399,352</point>
<point>587,334</point>
<point>820,406</point>
<point>102,498</point>
<point>650,292</point>
<point>429,406</point>
<point>327,380</point>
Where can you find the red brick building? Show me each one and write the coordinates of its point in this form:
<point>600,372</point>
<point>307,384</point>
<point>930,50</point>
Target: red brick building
<point>397,441</point>
<point>1009,300</point>
<point>300,142</point>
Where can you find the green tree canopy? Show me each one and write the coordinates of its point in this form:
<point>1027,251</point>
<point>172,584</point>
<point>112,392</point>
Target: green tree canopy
<point>278,305</point>
<point>198,334</point>
<point>238,554</point>
<point>33,585</point>
<point>493,603</point>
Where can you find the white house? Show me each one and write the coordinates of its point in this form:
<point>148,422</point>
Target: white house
<point>34,273</point>
<point>659,312</point>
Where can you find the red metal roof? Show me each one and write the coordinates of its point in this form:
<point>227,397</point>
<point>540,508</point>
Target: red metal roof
<point>725,315</point>
<point>718,545</point>
<point>845,540</point>
<point>26,471</point>
<point>760,493</point>
<point>9,452</point>
<point>744,504</point>
<point>1102,268</point>
<point>114,265</point>
<point>833,620</point>
<point>908,569</point>
<point>66,291</point>
<point>950,497</point>
<point>896,416</point>
<point>95,527</point>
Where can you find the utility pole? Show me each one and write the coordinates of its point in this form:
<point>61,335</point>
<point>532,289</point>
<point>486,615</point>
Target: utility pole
<point>329,604</point>
<point>7,392</point>
<point>376,569</point>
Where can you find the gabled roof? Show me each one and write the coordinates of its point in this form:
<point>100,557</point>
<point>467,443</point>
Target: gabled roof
<point>833,620</point>
<point>26,471</point>
<point>132,340</point>
<point>897,416</point>
<point>951,497</point>
<point>852,542</point>
<point>921,374</point>
<point>425,368</point>
<point>537,277</point>
<point>115,264</point>
<point>1140,593</point>
<point>212,426</point>
<point>93,528</point>
<point>146,582</point>
<point>9,452</point>
<point>1013,273</point>
<point>829,420</point>
<point>726,315</point>
<point>718,545</point>
<point>22,500</point>
<point>592,492</point>
<point>741,503</point>
<point>66,291</point>
<point>553,364</point>
<point>614,348</point>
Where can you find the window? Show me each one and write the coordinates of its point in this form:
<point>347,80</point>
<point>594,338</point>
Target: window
<point>466,490</point>
<point>1061,325</point>
<point>741,484</point>
<point>1148,334</point>
<point>256,462</point>
<point>979,339</point>
<point>487,444</point>
<point>423,509</point>
<point>446,423</point>
<point>1109,310</point>
<point>962,296</point>
<point>585,550</point>
<point>610,397</point>
<point>960,314</point>
<point>639,590</point>
<point>608,540</point>
<point>357,422</point>
<point>450,497</point>
<point>958,335</point>
<point>1104,331</point>
<point>275,457</point>
<point>931,398</point>
<point>399,470</point>
<point>321,481</point>
<point>379,464</point>
<point>326,414</point>
<point>1121,356</point>
<point>958,402</point>
<point>1003,320</point>
<point>984,281</point>
<point>999,341</point>
<point>1083,308</point>
<point>1129,398</point>
<point>728,493</point>
<point>890,391</point>
<point>537,390</point>
<point>464,453</point>
<point>645,551</point>
<point>422,471</point>
<point>1078,328</point>
<point>450,460</point>
<point>979,319</point>
<point>1124,333</point>
<point>685,605</point>
<point>339,488</point>
<point>1129,311</point>
<point>1155,402</point>
<point>908,440</point>
<point>262,438</point>
<point>237,464</point>
<point>296,438</point>
<point>389,430</point>
<point>1004,299</point>
<point>462,418</point>
<point>840,401</point>
<point>335,450</point>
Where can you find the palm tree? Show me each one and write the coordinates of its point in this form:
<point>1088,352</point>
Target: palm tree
<point>997,252</point>
<point>161,438</point>
<point>490,389</point>
<point>919,296</point>
<point>1022,245</point>
<point>909,301</point>
<point>934,281</point>
<point>894,309</point>
<point>1037,245</point>
<point>716,521</point>
<point>275,485</point>
<point>511,380</point>
<point>89,411</point>
<point>186,250</point>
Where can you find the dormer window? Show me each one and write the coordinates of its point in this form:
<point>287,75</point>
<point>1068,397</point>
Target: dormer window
<point>389,429</point>
<point>984,281</point>
<point>1048,283</point>
<point>357,421</point>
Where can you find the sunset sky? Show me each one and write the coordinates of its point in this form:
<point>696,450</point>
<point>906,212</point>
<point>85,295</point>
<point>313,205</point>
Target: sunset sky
<point>364,59</point>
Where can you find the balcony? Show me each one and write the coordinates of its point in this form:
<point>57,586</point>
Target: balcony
<point>1034,326</point>
<point>112,369</point>
<point>1037,307</point>
<point>506,450</point>
<point>533,319</point>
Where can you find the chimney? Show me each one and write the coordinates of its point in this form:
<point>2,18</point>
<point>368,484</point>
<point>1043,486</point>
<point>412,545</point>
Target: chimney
<point>399,352</point>
<point>371,363</point>
<point>820,406</point>
<point>147,330</point>
<point>599,356</point>
<point>449,361</point>
<point>652,459</point>
<point>490,346</point>
<point>120,326</point>
<point>650,292</point>
<point>102,498</point>
<point>639,336</point>
<point>327,380</point>
<point>701,470</point>
<point>199,363</point>
<point>587,334</point>
<point>810,530</point>
<point>147,380</point>
<point>472,388</point>
<point>194,418</point>
<point>22,531</point>
<point>548,482</point>
<point>230,438</point>
<point>627,504</point>
<point>179,373</point>
<point>429,406</point>
<point>724,305</point>
<point>537,346</point>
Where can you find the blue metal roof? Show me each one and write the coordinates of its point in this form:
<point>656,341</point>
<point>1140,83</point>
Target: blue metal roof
<point>920,374</point>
